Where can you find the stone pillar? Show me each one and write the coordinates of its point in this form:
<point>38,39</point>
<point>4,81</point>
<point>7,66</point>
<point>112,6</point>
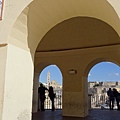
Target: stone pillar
<point>35,92</point>
<point>3,53</point>
<point>17,104</point>
<point>74,103</point>
<point>89,101</point>
<point>85,94</point>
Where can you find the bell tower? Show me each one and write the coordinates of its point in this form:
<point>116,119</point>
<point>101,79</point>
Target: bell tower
<point>48,79</point>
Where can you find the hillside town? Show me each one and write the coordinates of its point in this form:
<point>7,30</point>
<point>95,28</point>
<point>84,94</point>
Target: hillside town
<point>98,92</point>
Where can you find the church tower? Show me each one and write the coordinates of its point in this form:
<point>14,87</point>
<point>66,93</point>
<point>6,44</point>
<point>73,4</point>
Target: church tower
<point>48,79</point>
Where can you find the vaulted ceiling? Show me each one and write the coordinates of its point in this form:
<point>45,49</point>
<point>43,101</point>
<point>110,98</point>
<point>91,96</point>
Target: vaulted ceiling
<point>78,33</point>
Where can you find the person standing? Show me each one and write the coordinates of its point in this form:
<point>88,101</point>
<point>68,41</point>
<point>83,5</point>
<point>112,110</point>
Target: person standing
<point>117,97</point>
<point>41,92</point>
<point>52,96</point>
<point>111,98</point>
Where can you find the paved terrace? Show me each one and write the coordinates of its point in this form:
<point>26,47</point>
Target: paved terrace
<point>95,114</point>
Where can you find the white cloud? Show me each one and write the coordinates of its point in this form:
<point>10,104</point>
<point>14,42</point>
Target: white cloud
<point>89,74</point>
<point>116,74</point>
<point>52,65</point>
<point>109,62</point>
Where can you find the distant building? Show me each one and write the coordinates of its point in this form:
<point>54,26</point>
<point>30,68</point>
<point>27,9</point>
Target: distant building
<point>48,79</point>
<point>98,91</point>
<point>110,84</point>
<point>52,83</point>
<point>91,84</point>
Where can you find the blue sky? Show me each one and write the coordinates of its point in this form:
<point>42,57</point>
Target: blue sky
<point>104,71</point>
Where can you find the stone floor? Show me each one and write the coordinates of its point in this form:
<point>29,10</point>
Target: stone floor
<point>95,114</point>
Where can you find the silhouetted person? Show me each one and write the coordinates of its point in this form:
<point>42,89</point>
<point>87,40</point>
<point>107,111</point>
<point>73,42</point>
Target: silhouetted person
<point>41,92</point>
<point>52,96</point>
<point>117,97</point>
<point>111,98</point>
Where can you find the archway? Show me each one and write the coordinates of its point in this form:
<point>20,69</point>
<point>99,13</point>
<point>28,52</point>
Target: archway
<point>49,75</point>
<point>102,76</point>
<point>52,76</point>
<point>49,19</point>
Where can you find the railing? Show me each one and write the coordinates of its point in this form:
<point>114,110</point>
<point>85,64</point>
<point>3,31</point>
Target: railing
<point>57,101</point>
<point>98,99</point>
<point>94,101</point>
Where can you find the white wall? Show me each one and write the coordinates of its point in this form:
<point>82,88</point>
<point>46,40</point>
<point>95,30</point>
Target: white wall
<point>3,52</point>
<point>18,85</point>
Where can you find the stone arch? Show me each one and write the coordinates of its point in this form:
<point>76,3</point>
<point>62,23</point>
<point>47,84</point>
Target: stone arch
<point>48,15</point>
<point>38,69</point>
<point>96,61</point>
<point>92,63</point>
<point>40,66</point>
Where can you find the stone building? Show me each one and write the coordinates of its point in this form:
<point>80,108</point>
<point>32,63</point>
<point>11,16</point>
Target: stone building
<point>99,93</point>
<point>54,84</point>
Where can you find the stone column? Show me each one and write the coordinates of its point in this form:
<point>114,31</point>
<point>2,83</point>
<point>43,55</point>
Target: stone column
<point>85,94</point>
<point>89,101</point>
<point>3,54</point>
<point>35,92</point>
<point>18,83</point>
<point>74,97</point>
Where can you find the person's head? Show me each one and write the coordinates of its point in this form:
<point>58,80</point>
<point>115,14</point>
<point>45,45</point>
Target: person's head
<point>41,85</point>
<point>109,89</point>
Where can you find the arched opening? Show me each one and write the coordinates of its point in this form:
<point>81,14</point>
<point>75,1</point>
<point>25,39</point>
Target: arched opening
<point>52,76</point>
<point>101,77</point>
